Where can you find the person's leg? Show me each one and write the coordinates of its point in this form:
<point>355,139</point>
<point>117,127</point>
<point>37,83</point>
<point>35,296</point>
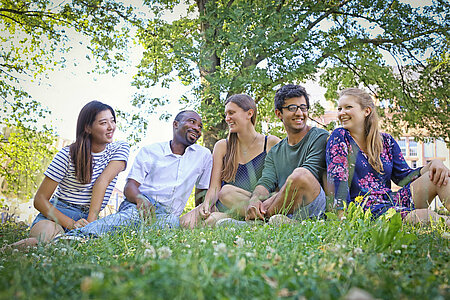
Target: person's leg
<point>44,230</point>
<point>214,217</point>
<point>301,188</point>
<point>234,198</point>
<point>41,232</point>
<point>424,190</point>
<point>127,215</point>
<point>425,216</point>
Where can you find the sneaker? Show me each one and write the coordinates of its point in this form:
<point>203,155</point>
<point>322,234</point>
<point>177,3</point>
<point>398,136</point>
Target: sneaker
<point>65,237</point>
<point>230,222</point>
<point>277,220</point>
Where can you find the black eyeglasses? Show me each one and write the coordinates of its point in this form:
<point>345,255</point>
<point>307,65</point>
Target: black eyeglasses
<point>293,107</point>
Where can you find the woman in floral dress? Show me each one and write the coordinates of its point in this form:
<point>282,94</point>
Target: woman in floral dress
<point>361,162</point>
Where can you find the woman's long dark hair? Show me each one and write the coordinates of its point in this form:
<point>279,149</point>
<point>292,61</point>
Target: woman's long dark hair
<point>230,162</point>
<point>80,150</point>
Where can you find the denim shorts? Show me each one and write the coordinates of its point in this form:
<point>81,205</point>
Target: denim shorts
<point>314,209</point>
<point>74,212</point>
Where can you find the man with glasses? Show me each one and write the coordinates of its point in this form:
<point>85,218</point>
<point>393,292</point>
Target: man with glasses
<point>293,169</point>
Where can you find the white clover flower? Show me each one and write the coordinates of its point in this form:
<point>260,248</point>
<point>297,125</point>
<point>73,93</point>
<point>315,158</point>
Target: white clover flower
<point>164,252</point>
<point>98,275</point>
<point>249,254</point>
<point>339,229</point>
<point>303,222</point>
<point>202,233</point>
<point>232,229</point>
<point>405,246</point>
<point>242,264</point>
<point>398,251</point>
<point>150,252</point>
<point>188,246</point>
<point>203,241</point>
<point>240,242</point>
<point>220,248</point>
<point>357,250</point>
<point>247,232</point>
<point>350,259</point>
<point>214,242</point>
<point>343,218</point>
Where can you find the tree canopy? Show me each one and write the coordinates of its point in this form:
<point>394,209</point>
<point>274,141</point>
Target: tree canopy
<point>34,37</point>
<point>225,47</point>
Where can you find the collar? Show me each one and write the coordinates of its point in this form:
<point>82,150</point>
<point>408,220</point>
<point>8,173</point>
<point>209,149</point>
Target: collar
<point>168,151</point>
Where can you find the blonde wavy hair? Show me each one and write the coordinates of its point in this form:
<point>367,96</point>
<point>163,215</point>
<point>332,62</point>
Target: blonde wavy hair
<point>374,141</point>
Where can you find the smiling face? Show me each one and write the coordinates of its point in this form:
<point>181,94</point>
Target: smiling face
<point>189,129</point>
<point>102,129</point>
<point>351,114</point>
<point>294,122</point>
<point>237,118</point>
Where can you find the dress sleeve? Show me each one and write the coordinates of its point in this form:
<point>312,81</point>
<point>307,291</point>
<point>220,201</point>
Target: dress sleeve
<point>337,152</point>
<point>402,174</point>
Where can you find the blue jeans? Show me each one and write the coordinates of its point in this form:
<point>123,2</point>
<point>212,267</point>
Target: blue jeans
<point>127,216</point>
<point>73,211</point>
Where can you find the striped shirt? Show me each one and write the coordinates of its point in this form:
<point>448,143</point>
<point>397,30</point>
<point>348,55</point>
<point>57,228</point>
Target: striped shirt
<point>62,170</point>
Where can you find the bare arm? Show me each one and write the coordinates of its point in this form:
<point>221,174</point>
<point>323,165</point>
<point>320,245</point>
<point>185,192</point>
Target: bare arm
<point>133,195</point>
<point>215,182</point>
<point>101,184</point>
<point>254,208</point>
<point>272,141</point>
<point>43,205</point>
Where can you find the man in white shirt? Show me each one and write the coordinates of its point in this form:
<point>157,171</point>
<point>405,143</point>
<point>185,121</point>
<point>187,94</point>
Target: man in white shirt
<point>161,179</point>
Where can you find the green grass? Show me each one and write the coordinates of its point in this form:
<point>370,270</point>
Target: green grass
<point>312,259</point>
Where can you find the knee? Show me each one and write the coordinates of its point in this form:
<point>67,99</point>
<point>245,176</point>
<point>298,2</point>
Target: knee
<point>301,177</point>
<point>45,230</point>
<point>225,192</point>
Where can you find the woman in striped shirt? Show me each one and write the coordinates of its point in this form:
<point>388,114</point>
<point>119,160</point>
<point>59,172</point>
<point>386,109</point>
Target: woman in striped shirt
<point>83,175</point>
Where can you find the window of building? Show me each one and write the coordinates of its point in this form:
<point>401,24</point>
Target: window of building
<point>428,149</point>
<point>441,148</point>
<point>412,147</point>
<point>402,144</point>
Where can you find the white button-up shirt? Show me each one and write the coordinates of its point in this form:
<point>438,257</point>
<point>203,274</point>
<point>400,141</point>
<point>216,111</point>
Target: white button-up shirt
<point>169,178</point>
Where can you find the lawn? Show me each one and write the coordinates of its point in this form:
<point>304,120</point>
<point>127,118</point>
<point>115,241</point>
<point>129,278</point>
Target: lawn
<point>321,259</point>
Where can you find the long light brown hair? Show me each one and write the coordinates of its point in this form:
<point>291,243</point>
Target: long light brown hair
<point>374,141</point>
<point>80,150</point>
<point>230,162</point>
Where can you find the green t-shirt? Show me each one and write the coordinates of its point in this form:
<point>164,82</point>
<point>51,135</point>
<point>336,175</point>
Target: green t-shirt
<point>283,159</point>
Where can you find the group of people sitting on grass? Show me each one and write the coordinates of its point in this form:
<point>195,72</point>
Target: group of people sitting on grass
<point>249,176</point>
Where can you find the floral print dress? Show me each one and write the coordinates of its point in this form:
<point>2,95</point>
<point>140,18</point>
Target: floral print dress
<point>351,175</point>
